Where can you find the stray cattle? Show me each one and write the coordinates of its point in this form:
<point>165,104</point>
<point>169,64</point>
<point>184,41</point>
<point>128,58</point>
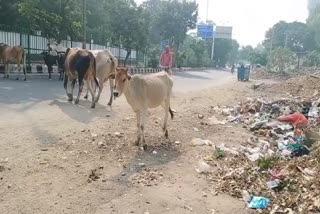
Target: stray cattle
<point>14,54</point>
<point>106,64</point>
<point>51,60</point>
<point>143,92</point>
<point>81,65</point>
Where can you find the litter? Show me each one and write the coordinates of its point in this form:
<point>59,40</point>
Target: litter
<point>203,167</point>
<point>258,202</point>
<point>200,142</point>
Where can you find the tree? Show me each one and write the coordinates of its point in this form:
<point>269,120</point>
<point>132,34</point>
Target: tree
<point>9,12</point>
<point>222,50</point>
<point>294,36</point>
<point>313,22</point>
<point>282,60</point>
<point>171,20</point>
<point>56,19</point>
<point>234,54</point>
<point>245,53</point>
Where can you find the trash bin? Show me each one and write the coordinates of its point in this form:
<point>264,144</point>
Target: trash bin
<point>241,71</point>
<point>246,74</point>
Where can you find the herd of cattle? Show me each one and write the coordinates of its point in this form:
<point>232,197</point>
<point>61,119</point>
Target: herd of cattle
<point>95,68</point>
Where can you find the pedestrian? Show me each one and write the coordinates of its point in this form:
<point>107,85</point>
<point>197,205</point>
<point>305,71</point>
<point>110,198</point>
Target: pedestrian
<point>166,59</point>
<point>233,68</point>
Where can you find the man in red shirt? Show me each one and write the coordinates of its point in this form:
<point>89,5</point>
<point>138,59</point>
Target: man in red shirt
<point>166,59</point>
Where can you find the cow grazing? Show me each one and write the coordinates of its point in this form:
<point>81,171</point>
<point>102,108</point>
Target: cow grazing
<point>13,54</point>
<point>106,65</point>
<point>81,65</point>
<point>143,92</point>
<point>51,60</point>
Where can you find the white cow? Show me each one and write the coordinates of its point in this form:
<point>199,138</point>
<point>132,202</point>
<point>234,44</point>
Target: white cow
<point>106,64</point>
<point>143,92</point>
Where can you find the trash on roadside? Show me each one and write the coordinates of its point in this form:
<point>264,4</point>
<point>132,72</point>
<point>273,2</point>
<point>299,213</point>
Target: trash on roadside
<point>214,121</point>
<point>273,184</point>
<point>296,119</point>
<point>258,202</point>
<point>203,167</point>
<point>200,142</point>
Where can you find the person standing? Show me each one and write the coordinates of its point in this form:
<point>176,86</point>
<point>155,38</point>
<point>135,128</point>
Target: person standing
<point>166,59</point>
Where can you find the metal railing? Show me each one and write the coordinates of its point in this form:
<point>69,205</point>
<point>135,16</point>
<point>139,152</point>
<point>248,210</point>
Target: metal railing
<point>34,43</point>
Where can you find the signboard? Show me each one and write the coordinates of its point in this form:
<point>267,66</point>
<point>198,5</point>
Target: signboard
<point>205,31</point>
<point>223,32</point>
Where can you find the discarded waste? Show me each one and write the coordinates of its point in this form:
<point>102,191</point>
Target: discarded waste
<point>258,202</point>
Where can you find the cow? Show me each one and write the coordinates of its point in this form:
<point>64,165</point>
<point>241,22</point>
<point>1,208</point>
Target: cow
<point>51,60</point>
<point>106,64</point>
<point>81,65</point>
<point>143,92</point>
<point>13,54</point>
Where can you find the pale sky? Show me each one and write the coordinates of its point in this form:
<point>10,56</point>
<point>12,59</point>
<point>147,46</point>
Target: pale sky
<point>252,18</point>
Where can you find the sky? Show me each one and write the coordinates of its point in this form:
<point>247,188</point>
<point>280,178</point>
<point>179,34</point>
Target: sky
<point>250,19</point>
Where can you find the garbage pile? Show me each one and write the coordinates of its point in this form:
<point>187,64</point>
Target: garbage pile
<point>277,170</point>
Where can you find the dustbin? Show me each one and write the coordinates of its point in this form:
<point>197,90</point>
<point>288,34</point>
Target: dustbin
<point>246,74</point>
<point>241,71</point>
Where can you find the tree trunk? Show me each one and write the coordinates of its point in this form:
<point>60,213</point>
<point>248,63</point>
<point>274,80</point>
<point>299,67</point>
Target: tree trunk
<point>127,56</point>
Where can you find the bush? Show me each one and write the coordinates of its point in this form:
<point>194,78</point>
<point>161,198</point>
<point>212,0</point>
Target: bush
<point>282,60</point>
<point>312,59</point>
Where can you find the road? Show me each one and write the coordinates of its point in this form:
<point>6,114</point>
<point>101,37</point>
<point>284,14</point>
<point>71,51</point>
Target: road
<point>48,151</point>
<point>44,100</point>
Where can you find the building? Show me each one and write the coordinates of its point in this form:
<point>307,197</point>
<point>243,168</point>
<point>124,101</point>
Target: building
<point>312,4</point>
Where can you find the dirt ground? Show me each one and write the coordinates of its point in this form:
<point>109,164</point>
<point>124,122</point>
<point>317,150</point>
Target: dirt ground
<point>92,167</point>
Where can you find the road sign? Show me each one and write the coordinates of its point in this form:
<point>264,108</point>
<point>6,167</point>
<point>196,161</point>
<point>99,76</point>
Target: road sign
<point>205,31</point>
<point>223,32</point>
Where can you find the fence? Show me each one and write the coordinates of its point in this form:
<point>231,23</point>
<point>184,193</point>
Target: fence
<point>34,44</point>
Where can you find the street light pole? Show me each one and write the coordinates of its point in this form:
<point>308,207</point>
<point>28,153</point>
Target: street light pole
<point>84,19</point>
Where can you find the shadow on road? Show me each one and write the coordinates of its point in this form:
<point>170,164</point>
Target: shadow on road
<point>82,112</point>
<point>191,76</point>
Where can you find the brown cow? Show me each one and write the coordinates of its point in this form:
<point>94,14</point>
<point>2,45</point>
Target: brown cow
<point>81,65</point>
<point>14,54</point>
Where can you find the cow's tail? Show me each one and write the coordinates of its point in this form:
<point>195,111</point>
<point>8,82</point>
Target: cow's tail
<point>114,62</point>
<point>94,69</point>
<point>24,67</point>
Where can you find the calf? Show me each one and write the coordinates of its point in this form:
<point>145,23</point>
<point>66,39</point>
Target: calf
<point>81,65</point>
<point>13,54</point>
<point>106,65</point>
<point>51,60</point>
<point>143,92</point>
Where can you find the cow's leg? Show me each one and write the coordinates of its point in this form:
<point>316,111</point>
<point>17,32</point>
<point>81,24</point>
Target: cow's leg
<point>50,68</point>
<point>19,70</point>
<point>142,127</point>
<point>93,104</point>
<point>111,90</point>
<point>80,88</point>
<point>70,95</point>
<point>87,93</point>
<point>138,116</point>
<point>100,90</point>
<point>6,70</point>
<point>166,107</point>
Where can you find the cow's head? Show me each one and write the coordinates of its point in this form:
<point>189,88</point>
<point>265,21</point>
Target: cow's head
<point>121,79</point>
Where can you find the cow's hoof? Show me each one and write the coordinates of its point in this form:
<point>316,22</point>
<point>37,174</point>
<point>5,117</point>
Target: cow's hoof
<point>25,79</point>
<point>110,104</point>
<point>76,102</point>
<point>166,134</point>
<point>17,78</point>
<point>86,97</point>
<point>93,105</point>
<point>144,147</point>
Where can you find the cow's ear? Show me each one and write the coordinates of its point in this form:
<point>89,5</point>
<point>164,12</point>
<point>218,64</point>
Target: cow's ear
<point>126,68</point>
<point>112,76</point>
<point>129,77</point>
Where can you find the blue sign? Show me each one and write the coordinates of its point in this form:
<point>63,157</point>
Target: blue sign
<point>164,45</point>
<point>205,31</point>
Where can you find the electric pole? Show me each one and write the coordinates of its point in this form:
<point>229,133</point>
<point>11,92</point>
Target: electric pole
<point>84,20</point>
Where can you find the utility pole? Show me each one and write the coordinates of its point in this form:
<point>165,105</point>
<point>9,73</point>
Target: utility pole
<point>207,11</point>
<point>84,19</point>
<point>286,40</point>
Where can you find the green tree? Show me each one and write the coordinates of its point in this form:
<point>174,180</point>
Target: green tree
<point>9,12</point>
<point>313,22</point>
<point>282,60</point>
<point>171,20</point>
<point>234,54</point>
<point>222,50</point>
<point>294,36</point>
<point>56,19</point>
<point>245,53</point>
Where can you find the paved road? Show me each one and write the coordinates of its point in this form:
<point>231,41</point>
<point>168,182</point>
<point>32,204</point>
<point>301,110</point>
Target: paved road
<point>40,101</point>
